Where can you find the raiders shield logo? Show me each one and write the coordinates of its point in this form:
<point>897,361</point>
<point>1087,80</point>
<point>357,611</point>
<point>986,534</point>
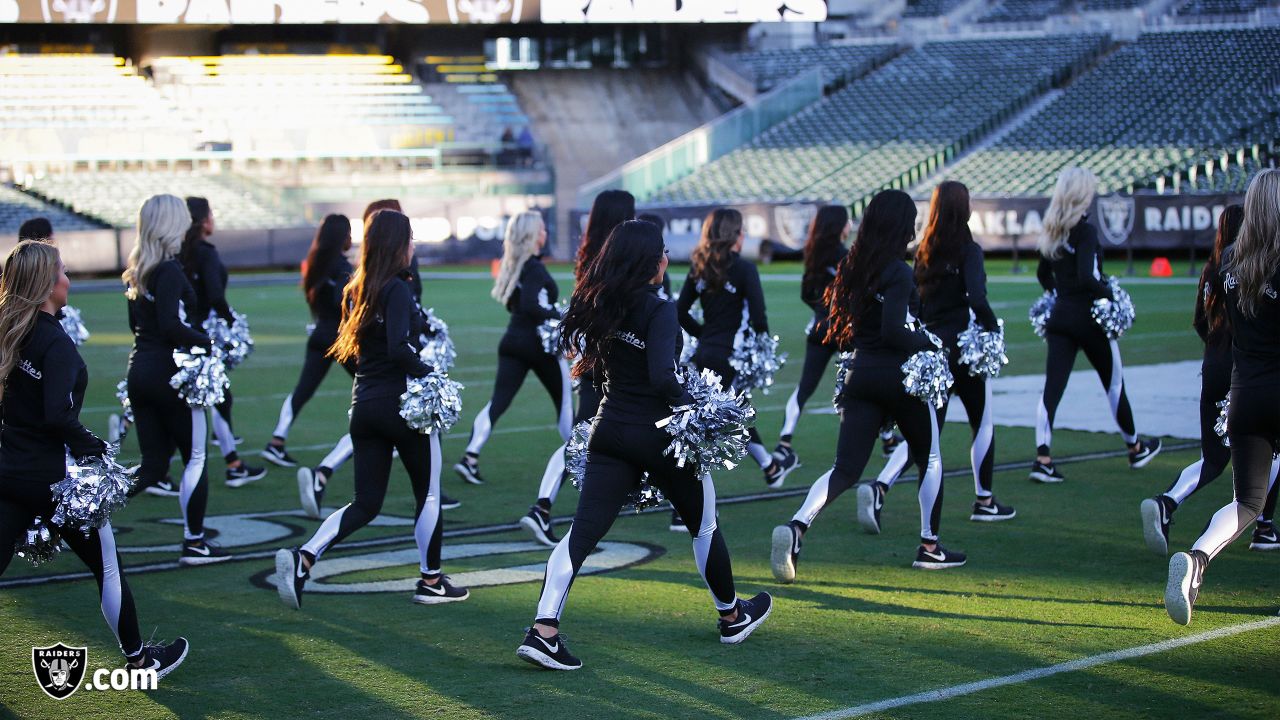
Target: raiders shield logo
<point>1115,215</point>
<point>59,669</point>
<point>484,12</point>
<point>79,11</point>
<point>792,222</point>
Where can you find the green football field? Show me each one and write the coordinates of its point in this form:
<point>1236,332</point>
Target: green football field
<point>1068,580</point>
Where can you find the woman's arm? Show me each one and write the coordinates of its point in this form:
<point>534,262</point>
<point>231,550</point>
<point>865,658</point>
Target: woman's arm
<point>893,319</point>
<point>398,313</point>
<point>58,378</point>
<point>975,287</point>
<point>170,282</point>
<point>684,303</point>
<point>660,353</point>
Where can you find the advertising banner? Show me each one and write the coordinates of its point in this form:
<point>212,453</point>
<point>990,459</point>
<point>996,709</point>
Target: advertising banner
<point>269,12</point>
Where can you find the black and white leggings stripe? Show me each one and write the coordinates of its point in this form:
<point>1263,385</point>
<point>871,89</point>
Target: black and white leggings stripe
<point>1071,329</point>
<point>872,394</point>
<point>618,455</point>
<point>165,423</point>
<point>817,358</point>
<point>20,503</point>
<point>515,361</point>
<point>553,475</point>
<point>376,430</point>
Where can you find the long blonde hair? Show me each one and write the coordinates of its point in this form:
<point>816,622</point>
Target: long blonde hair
<point>519,244</point>
<point>1257,251</point>
<point>30,272</point>
<point>1071,200</point>
<point>162,223</point>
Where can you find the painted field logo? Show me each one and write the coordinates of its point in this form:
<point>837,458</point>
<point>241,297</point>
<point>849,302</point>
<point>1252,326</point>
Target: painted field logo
<point>59,669</point>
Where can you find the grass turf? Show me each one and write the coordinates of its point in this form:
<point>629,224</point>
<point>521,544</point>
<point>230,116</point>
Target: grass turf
<point>1068,578</point>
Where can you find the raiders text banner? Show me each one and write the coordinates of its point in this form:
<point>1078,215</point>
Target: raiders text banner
<point>268,12</point>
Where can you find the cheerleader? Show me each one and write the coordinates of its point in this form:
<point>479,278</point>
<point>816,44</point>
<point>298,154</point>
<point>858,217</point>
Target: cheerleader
<point>823,251</point>
<point>42,384</point>
<point>380,328</point>
<point>869,302</point>
<point>952,281</point>
<point>1215,380</point>
<point>610,209</point>
<point>630,339</point>
<point>208,276</point>
<point>1071,266</point>
<point>1250,276</point>
<point>728,288</point>
<point>159,297</point>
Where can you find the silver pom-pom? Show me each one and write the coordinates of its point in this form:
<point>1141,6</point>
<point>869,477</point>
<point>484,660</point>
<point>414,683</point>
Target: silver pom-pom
<point>1220,425</point>
<point>431,403</point>
<point>756,359</point>
<point>73,325</point>
<point>1115,316</point>
<point>690,345</point>
<point>39,544</point>
<point>438,350</point>
<point>575,463</point>
<point>90,493</point>
<point>549,330</point>
<point>1040,311</point>
<point>122,394</point>
<point>844,362</point>
<point>201,379</point>
<point>644,497</point>
<point>926,376</point>
<point>711,431</point>
<point>982,351</point>
<point>232,341</point>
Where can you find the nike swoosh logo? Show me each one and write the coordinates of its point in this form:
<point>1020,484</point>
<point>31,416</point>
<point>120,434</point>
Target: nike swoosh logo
<point>553,648</point>
<point>936,556</point>
<point>879,501</point>
<point>990,509</point>
<point>155,665</point>
<point>743,621</point>
<point>202,550</point>
<point>436,589</point>
<point>299,571</point>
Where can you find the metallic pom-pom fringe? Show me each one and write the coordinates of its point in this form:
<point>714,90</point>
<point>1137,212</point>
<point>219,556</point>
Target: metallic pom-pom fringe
<point>201,380</point>
<point>431,403</point>
<point>756,359</point>
<point>1220,425</point>
<point>982,351</point>
<point>925,375</point>
<point>91,492</point>
<point>73,325</point>
<point>1040,311</point>
<point>39,544</point>
<point>549,330</point>
<point>690,343</point>
<point>438,350</point>
<point>1115,317</point>
<point>711,431</point>
<point>233,342</point>
<point>122,394</point>
<point>844,361</point>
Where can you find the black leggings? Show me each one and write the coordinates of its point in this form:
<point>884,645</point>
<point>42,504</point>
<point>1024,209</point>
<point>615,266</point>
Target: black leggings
<point>165,423</point>
<point>716,359</point>
<point>20,503</point>
<point>315,365</point>
<point>873,393</point>
<point>553,475</point>
<point>817,358</point>
<point>618,454</point>
<point>1072,329</point>
<point>376,430</point>
<point>1215,381</point>
<point>517,355</point>
<point>1253,425</point>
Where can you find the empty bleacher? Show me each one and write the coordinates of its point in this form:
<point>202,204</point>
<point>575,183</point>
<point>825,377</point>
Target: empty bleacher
<point>770,67</point>
<point>929,8</point>
<point>1023,11</point>
<point>17,207</point>
<point>1221,7</point>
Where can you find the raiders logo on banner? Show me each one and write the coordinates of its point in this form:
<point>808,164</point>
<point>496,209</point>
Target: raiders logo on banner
<point>1115,217</point>
<point>793,223</point>
<point>484,12</point>
<point>79,11</point>
<point>59,669</point>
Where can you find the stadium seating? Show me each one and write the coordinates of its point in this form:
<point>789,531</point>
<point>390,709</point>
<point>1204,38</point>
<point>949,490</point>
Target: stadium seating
<point>1158,106</point>
<point>770,67</point>
<point>1111,5</point>
<point>482,106</point>
<point>1220,7</point>
<point>891,127</point>
<point>17,207</point>
<point>929,8</point>
<point>1023,11</point>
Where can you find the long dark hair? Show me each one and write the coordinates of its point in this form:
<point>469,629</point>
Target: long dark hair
<point>376,205</point>
<point>382,257</point>
<point>610,209</point>
<point>607,289</point>
<point>945,235</point>
<point>200,211</point>
<point>332,239</point>
<point>1215,305</point>
<point>823,247</point>
<point>710,259</point>
<point>887,226</point>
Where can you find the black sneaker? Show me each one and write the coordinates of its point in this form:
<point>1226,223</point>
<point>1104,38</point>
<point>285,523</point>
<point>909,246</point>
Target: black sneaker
<point>1186,574</point>
<point>1264,538</point>
<point>1147,450</point>
<point>1157,513</point>
<point>441,592</point>
<point>1043,473</point>
<point>237,440</point>
<point>163,659</point>
<point>162,488</point>
<point>939,558</point>
<point>551,653</point>
<point>243,475</point>
<point>995,512</point>
<point>310,491</point>
<point>290,577</point>
<point>469,470</point>
<point>277,456</point>
<point>202,552</point>
<point>779,469</point>
<point>538,522</point>
<point>448,503</point>
<point>870,503</point>
<point>677,523</point>
<point>785,552</point>
<point>750,614</point>
<point>889,444</point>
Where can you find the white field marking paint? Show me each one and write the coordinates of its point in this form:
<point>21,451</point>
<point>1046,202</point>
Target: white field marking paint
<point>247,529</point>
<point>1084,663</point>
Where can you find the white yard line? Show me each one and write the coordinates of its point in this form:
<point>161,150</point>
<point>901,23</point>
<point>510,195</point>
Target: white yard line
<point>1084,663</point>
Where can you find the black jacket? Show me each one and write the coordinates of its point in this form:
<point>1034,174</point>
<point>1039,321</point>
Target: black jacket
<point>882,332</point>
<point>41,408</point>
<point>161,318</point>
<point>640,383</point>
<point>209,279</point>
<point>1077,273</point>
<point>1255,341</point>
<point>389,346</point>
<point>533,301</point>
<point>722,309</point>
<point>812,291</point>
<point>326,304</point>
<point>963,287</point>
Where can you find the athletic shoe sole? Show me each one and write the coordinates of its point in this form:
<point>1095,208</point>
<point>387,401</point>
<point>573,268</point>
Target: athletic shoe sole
<point>165,671</point>
<point>919,565</point>
<point>242,481</point>
<point>784,566</point>
<point>1143,462</point>
<point>1177,600</point>
<point>277,460</point>
<point>1043,478</point>
<point>450,505</point>
<point>285,570</point>
<point>541,659</point>
<point>153,490</point>
<point>1151,527</point>
<point>538,533</point>
<point>193,561</point>
<point>1264,547</point>
<point>465,473</point>
<point>745,632</point>
<point>306,493</point>
<point>438,599</point>
<point>981,517</point>
<point>867,509</point>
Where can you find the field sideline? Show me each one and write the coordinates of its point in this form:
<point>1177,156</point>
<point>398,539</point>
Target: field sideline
<point>1066,581</point>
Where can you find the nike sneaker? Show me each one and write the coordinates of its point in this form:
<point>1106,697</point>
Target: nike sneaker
<point>290,576</point>
<point>162,488</point>
<point>1157,514</point>
<point>1045,473</point>
<point>201,552</point>
<point>538,522</point>
<point>163,659</point>
<point>551,653</point>
<point>243,475</point>
<point>468,468</point>
<point>939,558</point>
<point>276,455</point>
<point>310,491</point>
<point>1264,538</point>
<point>441,592</point>
<point>1147,450</point>
<point>785,552</point>
<point>448,503</point>
<point>1186,574</point>
<point>750,614</point>
<point>870,503</point>
<point>995,512</point>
